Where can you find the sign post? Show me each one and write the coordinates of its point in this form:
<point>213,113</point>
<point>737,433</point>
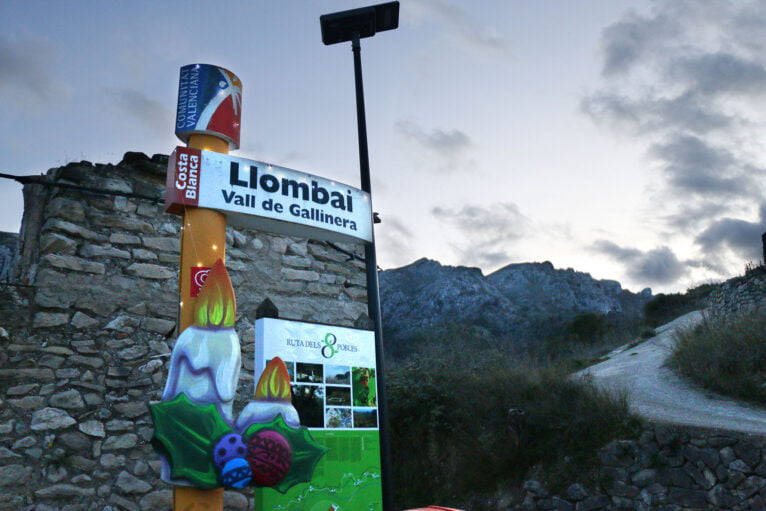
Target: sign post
<point>271,444</point>
<point>207,118</point>
<point>203,241</point>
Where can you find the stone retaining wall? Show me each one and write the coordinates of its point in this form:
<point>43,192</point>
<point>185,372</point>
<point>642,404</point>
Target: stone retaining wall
<point>740,295</point>
<point>668,468</point>
<point>84,349</point>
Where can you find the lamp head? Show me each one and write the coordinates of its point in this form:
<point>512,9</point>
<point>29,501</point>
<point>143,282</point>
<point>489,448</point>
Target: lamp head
<point>339,27</point>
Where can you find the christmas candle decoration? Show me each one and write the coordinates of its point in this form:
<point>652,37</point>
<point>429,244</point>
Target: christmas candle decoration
<point>206,359</point>
<point>195,433</point>
<point>272,398</point>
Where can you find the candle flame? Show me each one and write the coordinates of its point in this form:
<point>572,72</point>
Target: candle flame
<point>274,382</point>
<point>215,307</point>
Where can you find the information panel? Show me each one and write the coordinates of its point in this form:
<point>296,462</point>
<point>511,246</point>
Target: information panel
<point>260,195</point>
<point>333,380</point>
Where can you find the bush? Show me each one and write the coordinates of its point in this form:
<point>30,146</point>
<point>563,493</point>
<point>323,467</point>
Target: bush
<point>454,435</point>
<point>588,327</point>
<point>400,347</point>
<point>665,308</point>
<point>586,340</point>
<point>727,355</point>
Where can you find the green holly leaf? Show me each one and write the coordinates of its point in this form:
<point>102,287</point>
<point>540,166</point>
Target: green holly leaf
<point>186,433</point>
<point>306,451</point>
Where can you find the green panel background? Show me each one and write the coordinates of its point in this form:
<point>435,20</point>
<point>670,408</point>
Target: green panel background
<point>347,478</point>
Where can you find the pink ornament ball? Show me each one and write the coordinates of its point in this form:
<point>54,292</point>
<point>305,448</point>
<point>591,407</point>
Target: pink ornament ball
<point>269,455</point>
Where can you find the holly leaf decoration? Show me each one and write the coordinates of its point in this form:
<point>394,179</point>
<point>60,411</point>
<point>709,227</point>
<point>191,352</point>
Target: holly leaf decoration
<point>306,451</point>
<point>186,433</point>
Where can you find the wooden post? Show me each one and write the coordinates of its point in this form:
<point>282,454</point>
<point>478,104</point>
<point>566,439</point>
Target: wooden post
<point>203,242</point>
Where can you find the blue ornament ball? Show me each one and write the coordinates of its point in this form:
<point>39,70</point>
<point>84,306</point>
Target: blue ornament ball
<point>227,448</point>
<point>236,473</point>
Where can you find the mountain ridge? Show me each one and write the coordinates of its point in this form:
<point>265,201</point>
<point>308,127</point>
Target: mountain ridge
<point>519,302</point>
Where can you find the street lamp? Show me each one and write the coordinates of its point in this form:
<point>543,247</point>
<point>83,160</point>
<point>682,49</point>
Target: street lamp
<point>353,25</point>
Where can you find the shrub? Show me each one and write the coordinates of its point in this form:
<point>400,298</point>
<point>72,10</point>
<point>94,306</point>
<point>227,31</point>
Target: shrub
<point>400,347</point>
<point>727,355</point>
<point>588,327</point>
<point>587,339</point>
<point>452,435</point>
<point>665,308</point>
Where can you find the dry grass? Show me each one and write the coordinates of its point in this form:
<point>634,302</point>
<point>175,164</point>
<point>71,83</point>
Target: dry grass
<point>453,436</point>
<point>727,355</point>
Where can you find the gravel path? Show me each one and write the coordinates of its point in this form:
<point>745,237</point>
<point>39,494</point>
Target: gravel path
<point>658,394</point>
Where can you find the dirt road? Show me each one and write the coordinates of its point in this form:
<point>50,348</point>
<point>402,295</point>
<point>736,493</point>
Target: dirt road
<point>658,394</point>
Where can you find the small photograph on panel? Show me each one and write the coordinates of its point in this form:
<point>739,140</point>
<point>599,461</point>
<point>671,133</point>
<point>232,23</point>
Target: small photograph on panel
<point>338,396</point>
<point>309,401</point>
<point>365,418</point>
<point>338,418</point>
<point>337,375</point>
<point>309,373</point>
<point>363,383</point>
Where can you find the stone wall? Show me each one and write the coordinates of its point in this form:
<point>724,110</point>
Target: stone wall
<point>668,468</point>
<point>8,244</point>
<point>87,327</point>
<point>741,294</point>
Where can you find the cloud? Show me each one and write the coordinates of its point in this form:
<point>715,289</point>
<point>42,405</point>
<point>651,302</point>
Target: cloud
<point>615,251</point>
<point>693,165</point>
<point>462,26</point>
<point>658,266</point>
<point>740,236</point>
<point>25,72</point>
<point>437,140</point>
<point>689,217</point>
<point>721,73</point>
<point>395,239</point>
<point>688,79</point>
<point>151,113</point>
<point>486,234</point>
<point>629,41</point>
<point>688,112</point>
<point>450,149</point>
<point>502,220</point>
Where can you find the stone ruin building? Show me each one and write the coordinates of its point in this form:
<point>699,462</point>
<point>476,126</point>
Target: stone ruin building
<point>88,302</point>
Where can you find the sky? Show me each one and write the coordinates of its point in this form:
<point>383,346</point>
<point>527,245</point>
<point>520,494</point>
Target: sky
<point>623,138</point>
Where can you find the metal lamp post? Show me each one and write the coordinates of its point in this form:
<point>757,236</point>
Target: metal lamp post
<point>353,25</point>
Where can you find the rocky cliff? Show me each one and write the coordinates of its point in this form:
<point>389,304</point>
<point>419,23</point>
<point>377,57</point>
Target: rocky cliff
<point>518,302</point>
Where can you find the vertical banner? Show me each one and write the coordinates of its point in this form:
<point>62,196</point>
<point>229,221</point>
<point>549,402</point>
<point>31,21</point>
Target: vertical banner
<point>333,380</point>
